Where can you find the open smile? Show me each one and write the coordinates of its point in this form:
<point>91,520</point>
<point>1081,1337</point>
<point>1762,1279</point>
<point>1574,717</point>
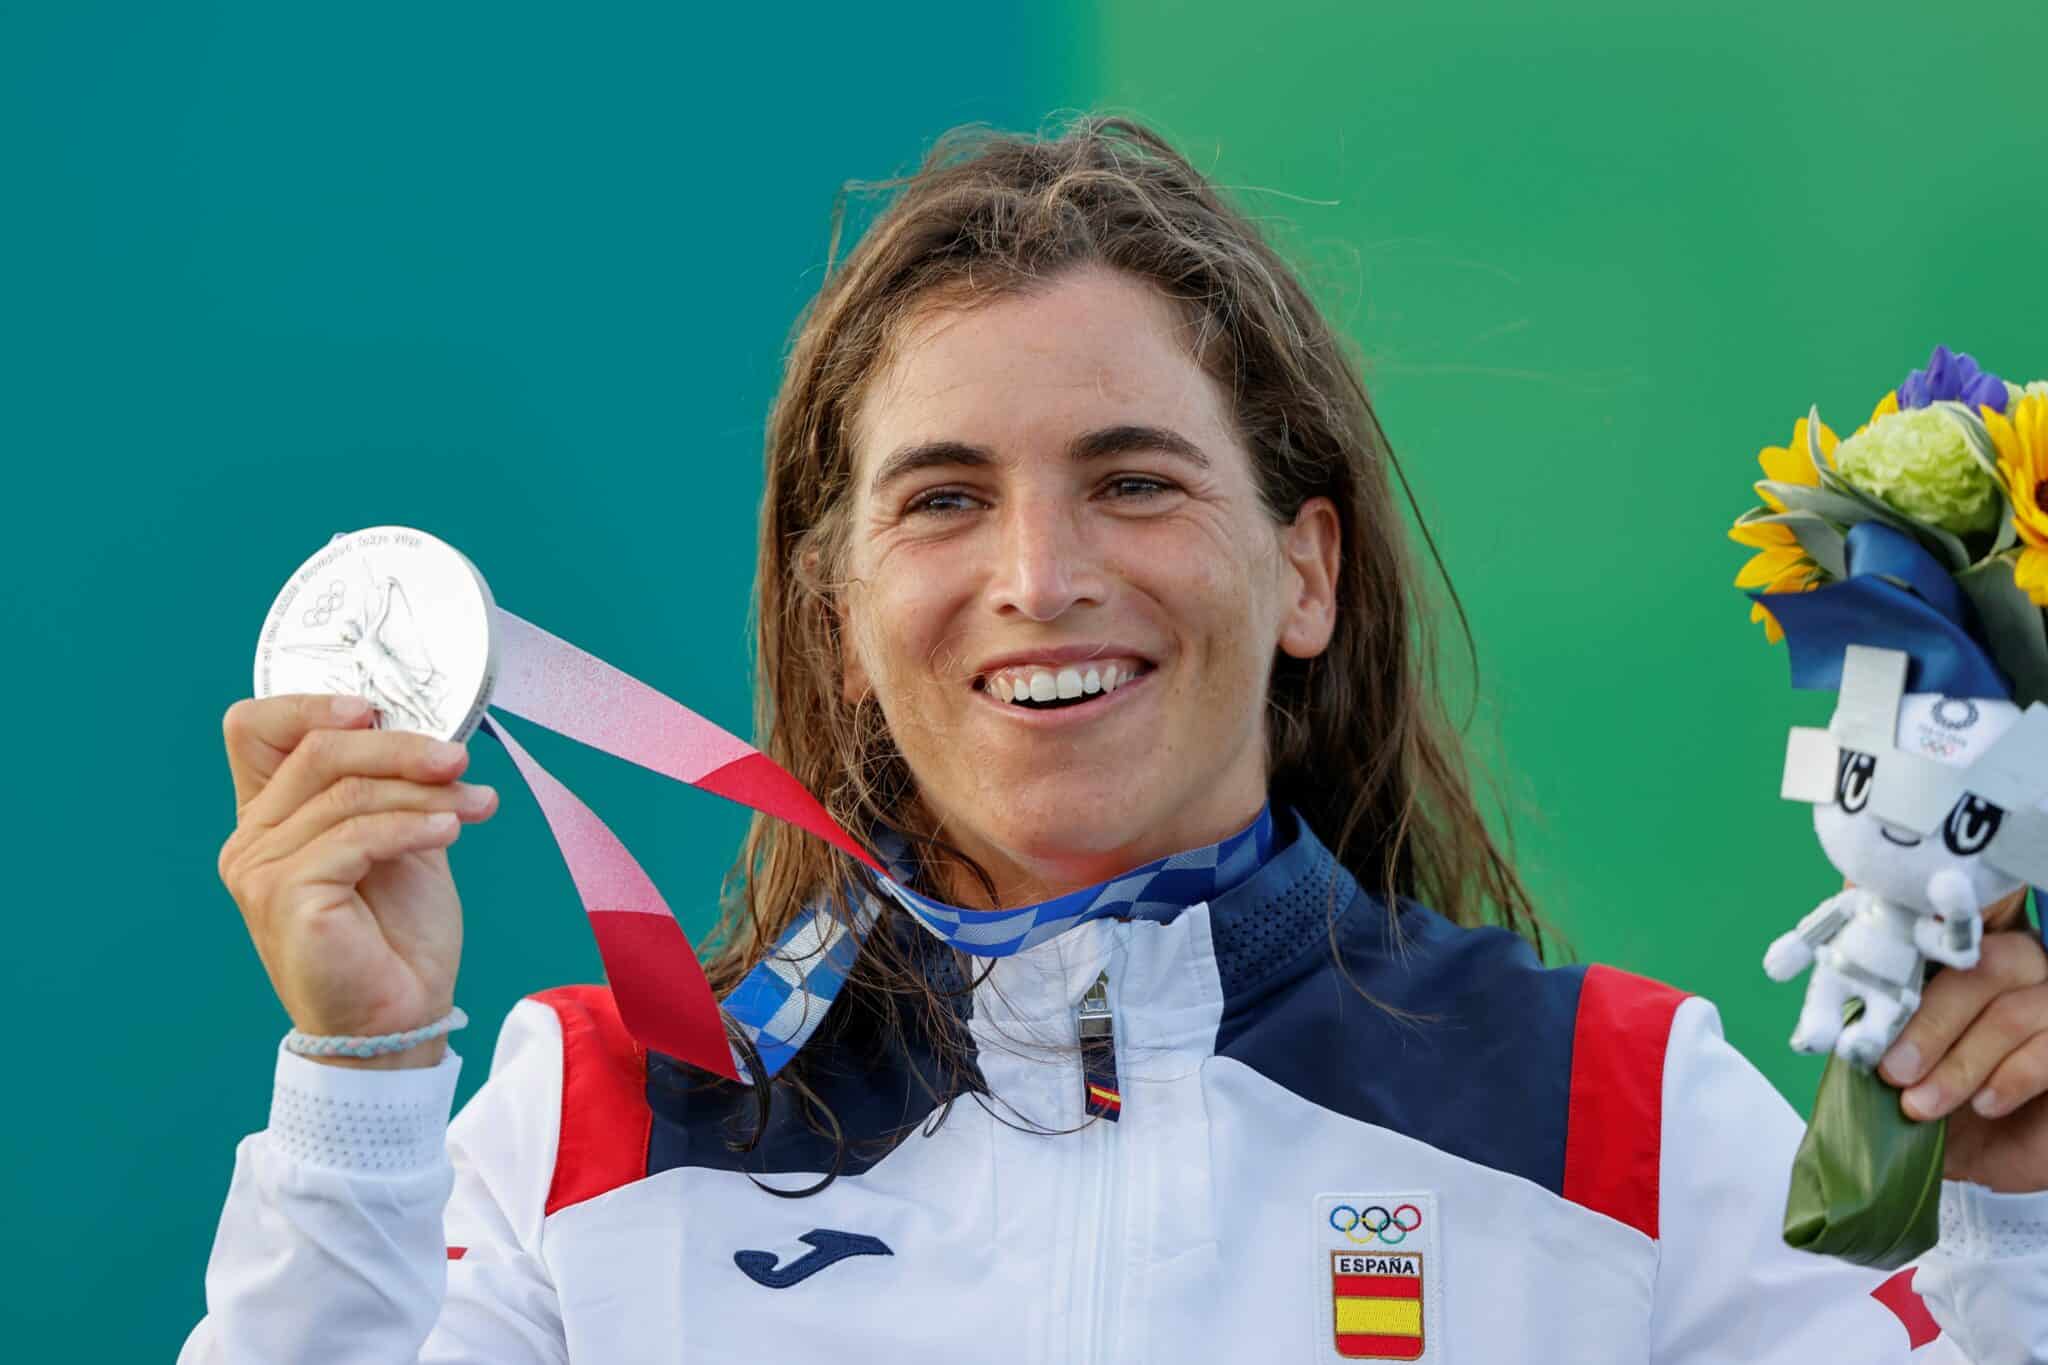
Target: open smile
<point>1052,695</point>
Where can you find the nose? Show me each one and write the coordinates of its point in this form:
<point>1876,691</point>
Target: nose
<point>1048,565</point>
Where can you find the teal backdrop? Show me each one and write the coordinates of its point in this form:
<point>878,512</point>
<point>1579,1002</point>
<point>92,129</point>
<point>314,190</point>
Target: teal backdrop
<point>521,275</point>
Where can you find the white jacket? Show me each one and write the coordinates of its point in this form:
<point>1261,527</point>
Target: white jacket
<point>1556,1165</point>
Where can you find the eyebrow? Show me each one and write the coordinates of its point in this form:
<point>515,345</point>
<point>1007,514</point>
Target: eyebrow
<point>1094,445</point>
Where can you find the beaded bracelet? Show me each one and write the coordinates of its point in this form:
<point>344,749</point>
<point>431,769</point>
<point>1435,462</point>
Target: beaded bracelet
<point>333,1045</point>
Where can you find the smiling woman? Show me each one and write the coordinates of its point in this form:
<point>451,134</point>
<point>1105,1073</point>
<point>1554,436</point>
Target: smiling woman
<point>1083,593</point>
<point>1063,405</point>
<point>1070,515</point>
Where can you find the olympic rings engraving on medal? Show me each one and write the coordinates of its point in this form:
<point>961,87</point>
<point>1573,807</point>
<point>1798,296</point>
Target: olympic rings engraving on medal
<point>390,615</point>
<point>1389,1227</point>
<point>325,605</point>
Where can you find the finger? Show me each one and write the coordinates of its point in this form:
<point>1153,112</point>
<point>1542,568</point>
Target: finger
<point>2006,1025</point>
<point>1953,1000</point>
<point>345,854</point>
<point>2005,913</point>
<point>357,795</point>
<point>325,757</point>
<point>261,732</point>
<point>2021,1078</point>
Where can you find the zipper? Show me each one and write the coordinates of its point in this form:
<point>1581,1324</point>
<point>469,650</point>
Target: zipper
<point>1103,1099</point>
<point>1101,1095</point>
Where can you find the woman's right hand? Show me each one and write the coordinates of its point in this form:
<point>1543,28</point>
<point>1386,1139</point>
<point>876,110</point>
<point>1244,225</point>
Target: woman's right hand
<point>339,863</point>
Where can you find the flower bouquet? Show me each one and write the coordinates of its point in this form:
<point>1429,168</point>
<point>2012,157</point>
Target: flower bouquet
<point>1906,567</point>
<point>1955,458</point>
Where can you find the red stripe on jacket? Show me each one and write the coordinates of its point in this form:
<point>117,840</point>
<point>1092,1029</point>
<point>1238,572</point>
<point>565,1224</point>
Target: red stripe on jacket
<point>606,1123</point>
<point>1909,1308</point>
<point>1614,1128</point>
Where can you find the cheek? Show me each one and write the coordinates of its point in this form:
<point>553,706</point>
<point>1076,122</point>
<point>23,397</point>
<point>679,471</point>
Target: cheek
<point>1225,603</point>
<point>904,617</point>
<point>1849,841</point>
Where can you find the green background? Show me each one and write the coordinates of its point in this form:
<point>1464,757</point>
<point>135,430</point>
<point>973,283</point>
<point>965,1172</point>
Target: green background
<point>521,275</point>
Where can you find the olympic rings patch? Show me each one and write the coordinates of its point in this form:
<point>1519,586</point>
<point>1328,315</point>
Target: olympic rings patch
<point>1388,1227</point>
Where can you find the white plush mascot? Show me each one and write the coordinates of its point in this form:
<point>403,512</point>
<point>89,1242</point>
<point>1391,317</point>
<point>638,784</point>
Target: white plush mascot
<point>1932,807</point>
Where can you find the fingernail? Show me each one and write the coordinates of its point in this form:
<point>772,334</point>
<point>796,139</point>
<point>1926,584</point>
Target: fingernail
<point>1987,1103</point>
<point>476,797</point>
<point>349,709</point>
<point>1902,1064</point>
<point>1923,1101</point>
<point>441,751</point>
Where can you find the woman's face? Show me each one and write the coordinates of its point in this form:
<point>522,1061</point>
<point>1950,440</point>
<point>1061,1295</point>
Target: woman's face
<point>1049,499</point>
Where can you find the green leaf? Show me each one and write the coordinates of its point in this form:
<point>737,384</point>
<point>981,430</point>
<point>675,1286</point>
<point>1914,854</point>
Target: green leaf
<point>1817,536</point>
<point>2013,627</point>
<point>2008,533</point>
<point>1977,437</point>
<point>1842,511</point>
<point>1813,450</point>
<point>1866,1181</point>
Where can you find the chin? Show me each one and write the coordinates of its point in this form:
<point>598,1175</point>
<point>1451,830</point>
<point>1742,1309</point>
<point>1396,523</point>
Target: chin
<point>1060,815</point>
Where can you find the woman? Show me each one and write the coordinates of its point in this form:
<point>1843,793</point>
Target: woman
<point>1078,551</point>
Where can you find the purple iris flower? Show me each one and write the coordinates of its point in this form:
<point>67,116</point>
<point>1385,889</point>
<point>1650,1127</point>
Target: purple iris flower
<point>1950,375</point>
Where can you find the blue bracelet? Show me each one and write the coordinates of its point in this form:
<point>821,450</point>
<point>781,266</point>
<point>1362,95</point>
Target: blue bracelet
<point>316,1045</point>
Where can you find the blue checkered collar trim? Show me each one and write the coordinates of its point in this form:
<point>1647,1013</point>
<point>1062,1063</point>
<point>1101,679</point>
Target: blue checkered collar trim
<point>781,1003</point>
<point>1158,890</point>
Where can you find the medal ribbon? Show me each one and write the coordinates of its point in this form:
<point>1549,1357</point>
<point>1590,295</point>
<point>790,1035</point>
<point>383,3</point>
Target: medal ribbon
<point>663,996</point>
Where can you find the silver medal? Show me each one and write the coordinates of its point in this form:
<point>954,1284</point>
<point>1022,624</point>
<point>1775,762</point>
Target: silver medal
<point>391,615</point>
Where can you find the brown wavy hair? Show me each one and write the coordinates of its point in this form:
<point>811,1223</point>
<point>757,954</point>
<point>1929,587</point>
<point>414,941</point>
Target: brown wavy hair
<point>1359,741</point>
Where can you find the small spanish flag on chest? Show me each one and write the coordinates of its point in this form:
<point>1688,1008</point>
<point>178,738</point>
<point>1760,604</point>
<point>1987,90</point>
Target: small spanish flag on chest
<point>1377,1301</point>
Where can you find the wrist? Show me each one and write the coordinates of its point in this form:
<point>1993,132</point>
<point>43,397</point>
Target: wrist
<point>391,1123</point>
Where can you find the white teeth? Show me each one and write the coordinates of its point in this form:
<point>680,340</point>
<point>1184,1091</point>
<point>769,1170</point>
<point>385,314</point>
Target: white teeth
<point>1026,683</point>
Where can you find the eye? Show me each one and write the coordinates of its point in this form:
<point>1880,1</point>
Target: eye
<point>941,502</point>
<point>1135,487</point>
<point>1971,825</point>
<point>1852,780</point>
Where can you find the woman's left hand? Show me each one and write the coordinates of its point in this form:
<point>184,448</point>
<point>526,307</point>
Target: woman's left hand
<point>1977,1051</point>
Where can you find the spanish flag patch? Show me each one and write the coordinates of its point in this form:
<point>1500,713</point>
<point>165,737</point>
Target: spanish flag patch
<point>1378,1255</point>
<point>1378,1303</point>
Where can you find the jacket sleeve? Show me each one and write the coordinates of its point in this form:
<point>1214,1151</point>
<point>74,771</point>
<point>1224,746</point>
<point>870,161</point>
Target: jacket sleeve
<point>1728,1288</point>
<point>361,1225</point>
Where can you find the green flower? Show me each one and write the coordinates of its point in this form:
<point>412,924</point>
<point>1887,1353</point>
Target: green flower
<point>1919,461</point>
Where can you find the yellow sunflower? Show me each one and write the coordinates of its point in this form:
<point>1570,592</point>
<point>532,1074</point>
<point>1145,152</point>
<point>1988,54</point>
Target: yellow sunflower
<point>2021,436</point>
<point>1779,565</point>
<point>1886,406</point>
<point>1793,462</point>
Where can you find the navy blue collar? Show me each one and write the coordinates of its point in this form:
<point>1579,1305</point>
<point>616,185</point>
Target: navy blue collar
<point>1284,912</point>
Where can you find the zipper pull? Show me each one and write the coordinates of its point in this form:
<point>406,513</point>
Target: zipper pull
<point>1100,1093</point>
